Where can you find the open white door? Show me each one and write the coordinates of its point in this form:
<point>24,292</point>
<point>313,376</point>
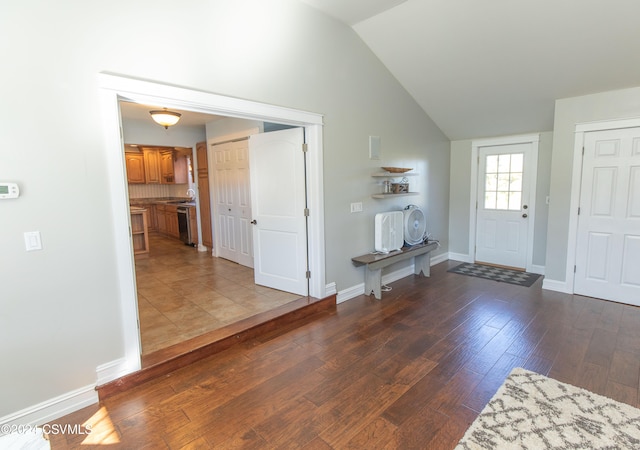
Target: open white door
<point>278,202</point>
<point>608,236</point>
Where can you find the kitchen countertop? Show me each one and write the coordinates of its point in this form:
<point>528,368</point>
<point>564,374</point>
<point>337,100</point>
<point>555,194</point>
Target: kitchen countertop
<point>178,201</point>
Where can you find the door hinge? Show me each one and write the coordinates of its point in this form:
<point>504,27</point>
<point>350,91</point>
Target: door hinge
<point>574,269</point>
<point>308,274</point>
<point>583,150</point>
<point>306,212</point>
<point>305,147</point>
<point>578,210</point>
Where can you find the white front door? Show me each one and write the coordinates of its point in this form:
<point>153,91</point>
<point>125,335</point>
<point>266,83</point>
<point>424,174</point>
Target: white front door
<point>278,193</point>
<point>608,236</point>
<point>233,201</point>
<point>503,204</point>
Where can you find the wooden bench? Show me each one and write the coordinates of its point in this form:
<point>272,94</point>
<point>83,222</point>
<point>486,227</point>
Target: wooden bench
<point>376,262</point>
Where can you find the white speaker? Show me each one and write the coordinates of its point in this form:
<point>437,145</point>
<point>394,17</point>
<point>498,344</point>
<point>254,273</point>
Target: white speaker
<point>388,231</point>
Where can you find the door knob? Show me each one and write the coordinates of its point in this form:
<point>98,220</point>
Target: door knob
<point>254,222</point>
<point>525,216</point>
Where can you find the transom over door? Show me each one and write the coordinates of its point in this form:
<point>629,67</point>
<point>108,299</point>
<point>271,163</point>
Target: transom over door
<point>503,208</point>
<point>608,236</point>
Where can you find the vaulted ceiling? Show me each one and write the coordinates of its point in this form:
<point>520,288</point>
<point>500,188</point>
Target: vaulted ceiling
<point>483,68</point>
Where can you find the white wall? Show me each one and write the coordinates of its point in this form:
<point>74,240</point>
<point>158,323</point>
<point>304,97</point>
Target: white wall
<point>620,104</point>
<point>59,315</point>
<point>460,198</point>
<point>231,126</point>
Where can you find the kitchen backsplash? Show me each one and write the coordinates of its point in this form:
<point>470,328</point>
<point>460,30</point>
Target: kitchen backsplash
<point>157,190</point>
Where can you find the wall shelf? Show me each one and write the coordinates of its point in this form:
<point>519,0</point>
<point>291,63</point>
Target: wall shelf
<point>389,195</point>
<point>394,175</point>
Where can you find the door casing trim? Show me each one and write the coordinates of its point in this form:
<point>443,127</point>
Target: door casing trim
<point>576,181</point>
<point>113,88</point>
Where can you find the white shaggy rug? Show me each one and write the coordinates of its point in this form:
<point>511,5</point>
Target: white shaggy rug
<point>531,411</point>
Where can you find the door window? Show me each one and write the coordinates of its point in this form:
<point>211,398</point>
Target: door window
<point>503,181</point>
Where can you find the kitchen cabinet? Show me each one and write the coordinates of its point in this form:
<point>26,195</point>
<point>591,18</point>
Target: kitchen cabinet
<point>173,167</point>
<point>180,169</point>
<point>152,222</point>
<point>151,165</point>
<point>167,220</point>
<point>135,168</point>
<point>161,219</point>
<point>166,167</point>
<point>157,165</point>
<point>204,195</point>
<point>193,225</point>
<point>139,231</point>
<point>171,220</point>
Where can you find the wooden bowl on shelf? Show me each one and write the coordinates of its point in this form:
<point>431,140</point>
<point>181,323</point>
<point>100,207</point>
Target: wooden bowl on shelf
<point>396,169</point>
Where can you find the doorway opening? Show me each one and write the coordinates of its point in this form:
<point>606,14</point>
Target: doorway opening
<point>112,90</point>
<point>184,293</point>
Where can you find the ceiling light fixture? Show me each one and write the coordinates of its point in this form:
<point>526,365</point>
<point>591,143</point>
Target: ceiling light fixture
<point>165,117</point>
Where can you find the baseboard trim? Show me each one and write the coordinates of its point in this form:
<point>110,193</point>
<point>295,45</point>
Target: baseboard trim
<point>54,408</point>
<point>349,293</point>
<point>439,258</point>
<point>555,285</point>
<point>537,269</point>
<point>460,257</point>
<point>114,369</point>
<point>330,289</point>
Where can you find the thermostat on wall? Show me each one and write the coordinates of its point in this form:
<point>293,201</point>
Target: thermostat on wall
<point>8,190</point>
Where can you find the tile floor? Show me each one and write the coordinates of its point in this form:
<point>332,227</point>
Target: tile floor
<point>183,293</point>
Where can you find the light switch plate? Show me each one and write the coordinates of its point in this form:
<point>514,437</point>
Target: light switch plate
<point>356,207</point>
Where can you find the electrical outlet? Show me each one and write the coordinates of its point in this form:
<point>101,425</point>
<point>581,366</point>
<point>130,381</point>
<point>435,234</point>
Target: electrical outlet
<point>356,207</point>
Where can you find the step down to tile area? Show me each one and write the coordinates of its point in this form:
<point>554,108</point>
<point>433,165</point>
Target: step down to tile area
<point>167,360</point>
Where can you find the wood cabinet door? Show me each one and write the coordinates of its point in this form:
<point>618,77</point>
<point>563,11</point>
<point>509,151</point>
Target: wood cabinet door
<point>193,225</point>
<point>171,219</point>
<point>135,168</point>
<point>180,169</point>
<point>152,165</point>
<point>204,194</point>
<point>152,217</point>
<point>172,225</point>
<point>166,165</point>
<point>161,219</point>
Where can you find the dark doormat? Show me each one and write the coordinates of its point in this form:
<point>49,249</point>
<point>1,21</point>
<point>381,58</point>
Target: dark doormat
<point>525,279</point>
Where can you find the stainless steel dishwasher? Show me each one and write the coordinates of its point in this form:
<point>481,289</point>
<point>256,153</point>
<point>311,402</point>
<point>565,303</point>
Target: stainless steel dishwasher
<point>184,226</point>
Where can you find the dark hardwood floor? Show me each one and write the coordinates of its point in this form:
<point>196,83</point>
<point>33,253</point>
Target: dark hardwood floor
<point>411,371</point>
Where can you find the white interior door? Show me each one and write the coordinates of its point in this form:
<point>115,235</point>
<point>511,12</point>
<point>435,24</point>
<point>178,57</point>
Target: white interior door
<point>503,209</point>
<point>608,236</point>
<point>233,201</point>
<point>278,196</point>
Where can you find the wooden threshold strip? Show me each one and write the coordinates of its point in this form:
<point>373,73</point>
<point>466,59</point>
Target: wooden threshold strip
<point>167,360</point>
